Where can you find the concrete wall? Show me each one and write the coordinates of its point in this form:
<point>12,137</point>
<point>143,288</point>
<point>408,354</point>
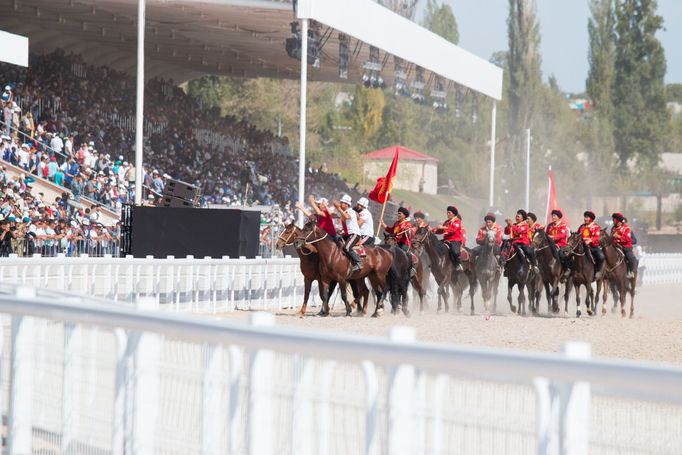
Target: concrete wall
<point>408,176</point>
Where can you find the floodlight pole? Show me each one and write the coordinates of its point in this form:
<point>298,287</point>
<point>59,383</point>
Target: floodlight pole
<point>302,120</point>
<point>139,108</point>
<point>491,198</point>
<point>527,206</point>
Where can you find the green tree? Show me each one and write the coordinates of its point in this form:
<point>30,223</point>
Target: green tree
<point>523,66</point>
<point>641,119</point>
<point>368,109</point>
<point>440,19</point>
<point>406,8</point>
<point>601,55</point>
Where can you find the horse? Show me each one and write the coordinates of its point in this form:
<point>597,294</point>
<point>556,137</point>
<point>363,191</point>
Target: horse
<point>444,270</point>
<point>547,255</point>
<point>333,265</point>
<point>615,277</point>
<point>582,274</point>
<point>488,272</point>
<point>519,273</point>
<point>399,273</point>
<point>308,262</point>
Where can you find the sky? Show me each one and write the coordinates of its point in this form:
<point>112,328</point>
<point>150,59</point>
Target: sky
<point>564,42</point>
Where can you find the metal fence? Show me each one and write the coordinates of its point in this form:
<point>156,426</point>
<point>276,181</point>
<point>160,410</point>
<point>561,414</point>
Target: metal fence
<point>661,268</point>
<point>28,247</point>
<point>93,378</point>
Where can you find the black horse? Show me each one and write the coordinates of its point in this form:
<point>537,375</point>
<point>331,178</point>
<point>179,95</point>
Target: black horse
<point>519,273</point>
<point>488,272</point>
<point>549,264</point>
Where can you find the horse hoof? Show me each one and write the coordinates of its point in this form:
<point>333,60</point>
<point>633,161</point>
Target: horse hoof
<point>473,313</point>
<point>406,313</point>
<point>589,312</point>
<point>632,315</point>
<point>603,311</point>
<point>348,315</point>
<point>578,314</point>
<point>614,310</point>
<point>622,313</point>
<point>513,309</point>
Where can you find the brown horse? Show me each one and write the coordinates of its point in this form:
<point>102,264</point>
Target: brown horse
<point>615,277</point>
<point>334,266</point>
<point>310,269</point>
<point>582,274</point>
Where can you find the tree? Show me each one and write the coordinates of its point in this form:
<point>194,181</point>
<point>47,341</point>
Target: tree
<point>523,65</point>
<point>368,108</point>
<point>406,8</point>
<point>601,55</point>
<point>640,119</point>
<point>441,20</point>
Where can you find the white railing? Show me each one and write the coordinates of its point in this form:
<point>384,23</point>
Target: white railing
<point>661,268</point>
<point>196,285</point>
<point>88,377</point>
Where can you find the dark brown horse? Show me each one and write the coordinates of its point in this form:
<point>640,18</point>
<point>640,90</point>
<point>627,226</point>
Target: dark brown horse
<point>615,277</point>
<point>418,281</point>
<point>334,266</point>
<point>519,273</point>
<point>444,270</point>
<point>310,269</point>
<point>547,255</point>
<point>582,274</point>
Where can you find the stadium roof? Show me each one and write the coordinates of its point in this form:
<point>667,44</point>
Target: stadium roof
<point>189,38</point>
<point>405,154</point>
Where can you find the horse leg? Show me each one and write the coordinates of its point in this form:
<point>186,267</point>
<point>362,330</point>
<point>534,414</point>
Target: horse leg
<point>631,291</point>
<point>343,289</point>
<point>495,290</point>
<point>510,287</point>
<point>325,292</point>
<point>364,295</point>
<point>548,295</point>
<point>522,300</point>
<point>379,287</point>
<point>567,296</point>
<point>485,292</point>
<point>354,289</point>
<point>472,291</point>
<point>578,313</point>
<point>307,283</point>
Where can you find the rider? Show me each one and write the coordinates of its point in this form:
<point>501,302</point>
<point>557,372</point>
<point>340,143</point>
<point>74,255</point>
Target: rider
<point>453,234</point>
<point>402,231</point>
<point>351,230</point>
<point>622,236</point>
<point>419,221</point>
<point>490,225</point>
<point>518,233</point>
<point>365,222</point>
<point>321,209</point>
<point>533,225</point>
<point>558,230</point>
<point>590,232</point>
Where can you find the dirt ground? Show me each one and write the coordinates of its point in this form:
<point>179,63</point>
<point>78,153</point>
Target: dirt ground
<point>655,334</point>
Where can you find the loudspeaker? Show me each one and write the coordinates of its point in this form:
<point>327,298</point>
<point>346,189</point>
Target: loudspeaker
<point>200,232</point>
<point>176,202</point>
<point>182,190</point>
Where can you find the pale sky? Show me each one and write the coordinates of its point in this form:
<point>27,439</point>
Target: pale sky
<point>563,25</point>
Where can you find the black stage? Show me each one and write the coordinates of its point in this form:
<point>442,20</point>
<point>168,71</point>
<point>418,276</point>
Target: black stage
<point>180,232</point>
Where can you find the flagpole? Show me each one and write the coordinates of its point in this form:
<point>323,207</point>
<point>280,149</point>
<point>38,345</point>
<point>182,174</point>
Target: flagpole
<point>381,218</point>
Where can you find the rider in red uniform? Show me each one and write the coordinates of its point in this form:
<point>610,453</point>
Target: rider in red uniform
<point>402,231</point>
<point>590,232</point>
<point>622,236</point>
<point>490,225</point>
<point>321,210</point>
<point>558,231</point>
<point>518,234</point>
<point>533,225</point>
<point>453,234</point>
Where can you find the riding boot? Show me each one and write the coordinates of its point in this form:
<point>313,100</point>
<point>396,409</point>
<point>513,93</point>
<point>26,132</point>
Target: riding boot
<point>598,266</point>
<point>356,260</point>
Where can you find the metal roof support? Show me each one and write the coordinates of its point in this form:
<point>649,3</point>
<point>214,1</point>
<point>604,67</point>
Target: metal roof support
<point>139,108</point>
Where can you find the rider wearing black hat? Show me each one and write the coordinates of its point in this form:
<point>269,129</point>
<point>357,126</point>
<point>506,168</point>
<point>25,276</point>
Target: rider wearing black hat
<point>590,233</point>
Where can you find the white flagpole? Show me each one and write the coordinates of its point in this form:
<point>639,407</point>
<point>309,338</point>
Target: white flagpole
<point>549,191</point>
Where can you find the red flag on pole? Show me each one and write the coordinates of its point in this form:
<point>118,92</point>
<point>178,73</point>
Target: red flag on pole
<point>382,191</point>
<point>551,197</point>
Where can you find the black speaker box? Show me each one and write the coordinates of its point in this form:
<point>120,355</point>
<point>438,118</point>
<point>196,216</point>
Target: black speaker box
<point>179,189</point>
<point>176,202</point>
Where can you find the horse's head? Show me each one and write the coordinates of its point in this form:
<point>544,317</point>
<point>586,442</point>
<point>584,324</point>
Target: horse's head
<point>309,235</point>
<point>420,237</point>
<point>389,239</point>
<point>490,238</point>
<point>539,239</point>
<point>605,239</point>
<point>575,242</point>
<point>287,236</point>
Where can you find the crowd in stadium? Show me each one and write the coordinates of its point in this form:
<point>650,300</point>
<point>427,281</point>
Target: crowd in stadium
<point>71,123</point>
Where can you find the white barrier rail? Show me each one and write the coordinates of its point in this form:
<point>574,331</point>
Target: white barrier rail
<point>661,268</point>
<point>188,284</point>
<point>97,378</point>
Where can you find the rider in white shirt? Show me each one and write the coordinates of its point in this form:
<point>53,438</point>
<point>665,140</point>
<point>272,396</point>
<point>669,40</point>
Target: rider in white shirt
<point>351,229</point>
<point>365,221</point>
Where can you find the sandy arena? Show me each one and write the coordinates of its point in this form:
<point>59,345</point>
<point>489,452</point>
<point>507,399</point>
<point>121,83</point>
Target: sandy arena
<point>655,334</point>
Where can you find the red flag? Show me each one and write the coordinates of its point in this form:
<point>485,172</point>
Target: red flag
<point>382,191</point>
<point>551,197</point>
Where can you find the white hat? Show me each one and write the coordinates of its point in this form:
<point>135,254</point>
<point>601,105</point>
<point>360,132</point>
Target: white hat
<point>346,198</point>
<point>91,144</point>
<point>322,200</point>
<point>363,202</point>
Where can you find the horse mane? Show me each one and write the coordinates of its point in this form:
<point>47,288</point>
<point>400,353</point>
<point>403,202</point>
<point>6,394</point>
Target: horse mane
<point>550,242</point>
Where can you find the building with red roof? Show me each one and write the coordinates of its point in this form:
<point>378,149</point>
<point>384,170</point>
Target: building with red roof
<point>417,171</point>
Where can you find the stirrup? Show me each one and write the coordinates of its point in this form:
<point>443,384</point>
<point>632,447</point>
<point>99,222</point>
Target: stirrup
<point>413,272</point>
<point>630,274</point>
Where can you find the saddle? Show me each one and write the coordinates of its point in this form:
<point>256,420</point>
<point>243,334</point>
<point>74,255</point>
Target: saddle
<point>464,255</point>
<point>360,250</point>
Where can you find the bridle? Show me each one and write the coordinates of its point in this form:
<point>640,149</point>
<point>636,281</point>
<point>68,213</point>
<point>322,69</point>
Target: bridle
<point>287,239</point>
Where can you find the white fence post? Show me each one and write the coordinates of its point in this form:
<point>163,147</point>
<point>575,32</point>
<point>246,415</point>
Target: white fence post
<point>121,423</point>
<point>371,399</point>
<point>20,421</point>
<point>235,400</point>
<point>575,406</point>
<point>400,400</point>
<point>212,419</point>
<point>302,407</point>
<point>71,387</point>
<point>146,401</point>
<point>261,424</point>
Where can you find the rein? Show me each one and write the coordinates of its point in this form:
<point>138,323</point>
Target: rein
<point>286,241</point>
